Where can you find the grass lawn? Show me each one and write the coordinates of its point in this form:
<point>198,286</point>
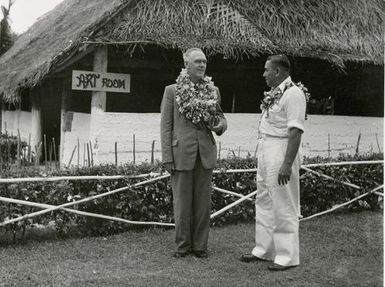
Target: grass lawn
<point>343,249</point>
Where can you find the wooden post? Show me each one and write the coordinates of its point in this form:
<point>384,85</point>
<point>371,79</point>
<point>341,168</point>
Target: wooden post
<point>29,148</point>
<point>152,152</point>
<point>1,155</point>
<point>378,144</point>
<point>1,105</point>
<point>328,145</point>
<point>98,102</point>
<point>18,116</point>
<point>65,106</point>
<point>116,154</point>
<point>358,143</point>
<point>84,155</point>
<point>54,151</point>
<point>36,133</point>
<point>8,146</point>
<point>72,155</point>
<point>18,149</point>
<point>38,153</point>
<point>50,155</point>
<point>78,153</point>
<point>88,156</point>
<point>239,152</point>
<point>92,155</point>
<point>133,147</point>
<point>45,152</point>
<point>57,159</point>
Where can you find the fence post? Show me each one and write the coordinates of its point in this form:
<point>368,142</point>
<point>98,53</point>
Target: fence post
<point>8,148</point>
<point>378,144</point>
<point>358,143</point>
<point>18,149</point>
<point>58,157</point>
<point>328,146</point>
<point>1,152</point>
<point>152,151</point>
<point>50,155</point>
<point>36,158</point>
<point>116,154</point>
<point>92,154</point>
<point>72,155</point>
<point>78,153</point>
<point>84,155</point>
<point>45,153</point>
<point>29,148</point>
<point>133,147</point>
<point>88,156</point>
<point>38,153</point>
<point>54,152</point>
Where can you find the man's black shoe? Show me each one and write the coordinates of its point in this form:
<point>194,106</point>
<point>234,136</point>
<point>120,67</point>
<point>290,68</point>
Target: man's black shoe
<point>179,254</point>
<point>201,254</point>
<point>250,258</point>
<point>277,267</point>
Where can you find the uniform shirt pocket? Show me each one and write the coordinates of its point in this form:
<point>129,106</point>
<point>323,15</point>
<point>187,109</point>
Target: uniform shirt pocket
<point>276,108</point>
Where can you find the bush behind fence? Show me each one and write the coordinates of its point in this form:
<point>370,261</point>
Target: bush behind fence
<point>153,202</point>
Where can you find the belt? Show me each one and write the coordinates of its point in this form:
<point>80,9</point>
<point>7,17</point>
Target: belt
<point>264,136</point>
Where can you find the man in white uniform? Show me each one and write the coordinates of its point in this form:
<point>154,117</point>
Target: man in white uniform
<point>277,202</point>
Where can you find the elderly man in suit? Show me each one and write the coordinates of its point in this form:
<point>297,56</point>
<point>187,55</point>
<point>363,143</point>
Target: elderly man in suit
<point>190,111</point>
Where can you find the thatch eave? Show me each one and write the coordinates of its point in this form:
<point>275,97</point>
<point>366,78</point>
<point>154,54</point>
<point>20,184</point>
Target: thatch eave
<point>234,28</point>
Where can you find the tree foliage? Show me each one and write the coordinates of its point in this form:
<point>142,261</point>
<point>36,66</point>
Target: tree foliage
<point>7,36</point>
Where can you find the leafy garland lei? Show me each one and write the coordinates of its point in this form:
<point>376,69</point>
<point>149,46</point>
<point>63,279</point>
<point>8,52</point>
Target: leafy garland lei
<point>196,102</point>
<point>272,97</point>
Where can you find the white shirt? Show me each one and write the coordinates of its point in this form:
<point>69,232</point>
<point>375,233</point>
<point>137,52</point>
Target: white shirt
<point>287,113</point>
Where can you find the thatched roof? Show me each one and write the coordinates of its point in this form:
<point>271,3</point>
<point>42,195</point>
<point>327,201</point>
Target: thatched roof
<point>333,30</point>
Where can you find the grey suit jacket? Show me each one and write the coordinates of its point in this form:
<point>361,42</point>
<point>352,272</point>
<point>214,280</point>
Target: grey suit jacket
<point>181,139</point>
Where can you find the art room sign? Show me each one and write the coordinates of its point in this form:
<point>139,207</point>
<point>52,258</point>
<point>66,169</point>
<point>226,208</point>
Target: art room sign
<point>104,82</point>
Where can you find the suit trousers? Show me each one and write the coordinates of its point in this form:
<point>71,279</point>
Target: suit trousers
<point>276,206</point>
<point>192,205</point>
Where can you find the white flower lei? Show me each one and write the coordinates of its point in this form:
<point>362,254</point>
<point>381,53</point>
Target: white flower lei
<point>272,97</point>
<point>196,102</point>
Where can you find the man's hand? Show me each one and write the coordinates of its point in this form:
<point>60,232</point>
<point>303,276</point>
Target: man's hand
<point>215,125</point>
<point>284,174</point>
<point>291,152</point>
<point>169,167</point>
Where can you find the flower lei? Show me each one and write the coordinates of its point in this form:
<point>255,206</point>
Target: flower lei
<point>272,97</point>
<point>196,102</point>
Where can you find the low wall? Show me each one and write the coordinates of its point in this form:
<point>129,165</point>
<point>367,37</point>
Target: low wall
<point>14,120</point>
<point>241,136</point>
<point>75,140</point>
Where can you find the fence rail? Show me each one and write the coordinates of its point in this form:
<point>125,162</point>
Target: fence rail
<point>155,177</point>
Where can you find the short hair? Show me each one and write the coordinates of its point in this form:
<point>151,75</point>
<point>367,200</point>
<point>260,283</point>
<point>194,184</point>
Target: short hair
<point>280,60</point>
<point>188,52</point>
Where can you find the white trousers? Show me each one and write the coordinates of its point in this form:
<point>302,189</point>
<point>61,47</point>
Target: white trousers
<point>276,206</point>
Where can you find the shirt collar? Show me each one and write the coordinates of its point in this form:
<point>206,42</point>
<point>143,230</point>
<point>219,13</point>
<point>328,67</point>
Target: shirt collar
<point>281,86</point>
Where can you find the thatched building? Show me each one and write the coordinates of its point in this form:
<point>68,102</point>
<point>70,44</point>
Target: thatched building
<point>336,48</point>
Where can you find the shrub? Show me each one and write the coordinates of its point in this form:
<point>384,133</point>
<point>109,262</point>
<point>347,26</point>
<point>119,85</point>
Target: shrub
<point>8,149</point>
<point>153,202</point>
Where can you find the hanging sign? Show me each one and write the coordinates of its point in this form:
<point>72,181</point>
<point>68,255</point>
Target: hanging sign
<point>104,82</point>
